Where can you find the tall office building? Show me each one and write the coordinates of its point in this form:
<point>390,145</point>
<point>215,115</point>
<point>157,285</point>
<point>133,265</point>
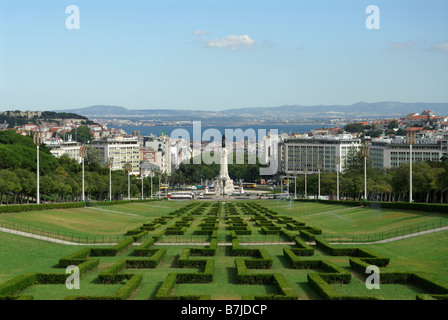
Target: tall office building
<point>121,151</point>
<point>305,153</point>
<point>390,153</point>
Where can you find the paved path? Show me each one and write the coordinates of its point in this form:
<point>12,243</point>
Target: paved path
<point>127,214</point>
<point>49,239</point>
<point>397,238</point>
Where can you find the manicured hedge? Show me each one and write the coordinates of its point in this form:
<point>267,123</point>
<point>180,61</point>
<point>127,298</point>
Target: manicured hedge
<point>68,205</point>
<point>22,297</point>
<point>152,262</point>
<point>144,248</point>
<point>112,251</point>
<point>427,207</point>
<point>39,207</point>
<point>17,284</point>
<point>327,292</point>
<point>112,275</point>
<point>165,291</point>
<point>363,254</point>
<point>75,258</point>
<point>244,277</point>
<point>271,230</point>
<point>121,294</point>
<point>138,236</point>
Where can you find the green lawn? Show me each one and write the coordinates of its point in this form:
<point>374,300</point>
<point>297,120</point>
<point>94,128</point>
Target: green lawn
<point>426,255</point>
<point>21,255</point>
<point>335,219</point>
<point>104,220</point>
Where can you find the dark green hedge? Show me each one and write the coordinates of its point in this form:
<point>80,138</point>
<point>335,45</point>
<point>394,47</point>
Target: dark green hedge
<point>427,207</point>
<point>17,284</point>
<point>122,294</point>
<point>38,207</point>
<point>75,258</point>
<point>112,251</point>
<point>156,256</point>
<point>144,248</point>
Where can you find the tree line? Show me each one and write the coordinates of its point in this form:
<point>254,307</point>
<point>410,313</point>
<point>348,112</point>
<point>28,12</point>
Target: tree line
<point>429,181</point>
<point>60,178</point>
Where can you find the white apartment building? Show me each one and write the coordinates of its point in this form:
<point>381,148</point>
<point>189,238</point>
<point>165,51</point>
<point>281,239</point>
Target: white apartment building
<point>300,154</point>
<point>69,148</point>
<point>119,151</point>
<point>387,153</point>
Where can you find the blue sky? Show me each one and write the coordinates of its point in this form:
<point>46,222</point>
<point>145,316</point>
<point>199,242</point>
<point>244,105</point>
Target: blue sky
<point>221,54</point>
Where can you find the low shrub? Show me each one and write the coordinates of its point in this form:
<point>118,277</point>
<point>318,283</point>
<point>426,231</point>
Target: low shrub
<point>112,251</point>
<point>17,284</point>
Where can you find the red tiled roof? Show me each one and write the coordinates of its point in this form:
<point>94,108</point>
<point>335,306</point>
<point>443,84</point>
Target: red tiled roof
<point>414,128</point>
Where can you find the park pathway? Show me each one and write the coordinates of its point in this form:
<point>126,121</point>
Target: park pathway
<point>59,241</point>
<point>411,235</point>
<point>49,239</point>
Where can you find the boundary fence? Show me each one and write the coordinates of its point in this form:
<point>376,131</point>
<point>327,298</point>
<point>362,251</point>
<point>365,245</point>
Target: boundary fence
<point>65,236</point>
<point>381,236</point>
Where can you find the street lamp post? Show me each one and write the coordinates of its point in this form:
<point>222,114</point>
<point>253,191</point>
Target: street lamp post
<point>306,187</point>
<point>161,165</point>
<point>151,174</point>
<point>410,139</point>
<point>337,161</point>
<point>129,185</point>
<point>160,178</point>
<point>38,140</point>
<point>111,160</point>
<point>83,154</point>
<point>319,167</point>
<point>365,153</point>
<point>141,176</point>
<point>295,184</point>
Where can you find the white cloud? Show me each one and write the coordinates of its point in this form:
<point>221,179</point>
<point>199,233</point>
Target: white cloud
<point>232,42</point>
<point>401,45</point>
<point>441,47</point>
<point>200,32</point>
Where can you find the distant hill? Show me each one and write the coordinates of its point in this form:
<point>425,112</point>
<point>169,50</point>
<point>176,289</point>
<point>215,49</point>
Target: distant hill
<point>291,112</point>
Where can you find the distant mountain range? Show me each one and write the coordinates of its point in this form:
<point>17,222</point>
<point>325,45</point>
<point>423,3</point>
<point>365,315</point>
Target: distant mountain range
<point>363,110</point>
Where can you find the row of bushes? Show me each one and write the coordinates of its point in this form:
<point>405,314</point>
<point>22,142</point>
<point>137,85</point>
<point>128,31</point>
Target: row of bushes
<point>68,205</point>
<point>121,294</point>
<point>39,207</point>
<point>75,258</point>
<point>432,287</point>
<point>165,291</point>
<point>112,251</point>
<point>427,207</point>
<point>11,288</point>
<point>364,254</point>
<point>271,230</point>
<point>144,248</point>
<point>276,279</point>
<point>156,255</point>
<point>327,292</point>
<point>301,249</point>
<point>309,233</point>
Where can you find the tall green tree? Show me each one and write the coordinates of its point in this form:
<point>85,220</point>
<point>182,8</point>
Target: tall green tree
<point>82,134</point>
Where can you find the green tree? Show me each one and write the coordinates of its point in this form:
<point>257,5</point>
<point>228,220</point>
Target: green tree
<point>9,183</point>
<point>82,134</point>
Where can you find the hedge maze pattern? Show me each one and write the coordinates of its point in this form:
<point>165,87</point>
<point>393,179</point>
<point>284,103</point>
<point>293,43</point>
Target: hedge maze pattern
<point>224,225</point>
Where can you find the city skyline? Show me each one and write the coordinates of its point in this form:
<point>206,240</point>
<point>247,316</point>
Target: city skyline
<point>205,55</point>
